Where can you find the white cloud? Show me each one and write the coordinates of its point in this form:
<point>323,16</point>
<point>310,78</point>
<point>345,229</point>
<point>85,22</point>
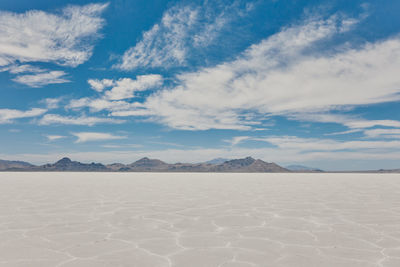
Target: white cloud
<point>372,123</point>
<point>52,103</point>
<point>125,88</point>
<point>210,31</point>
<point>165,43</point>
<point>238,139</point>
<point>94,136</point>
<point>134,112</point>
<point>279,77</point>
<point>41,79</point>
<point>383,133</point>
<point>97,104</point>
<point>351,121</point>
<point>230,95</point>
<point>17,69</point>
<point>8,115</point>
<point>63,38</point>
<point>54,137</point>
<point>78,103</point>
<point>181,30</point>
<point>82,120</point>
<point>354,123</point>
<point>99,85</point>
<point>316,144</point>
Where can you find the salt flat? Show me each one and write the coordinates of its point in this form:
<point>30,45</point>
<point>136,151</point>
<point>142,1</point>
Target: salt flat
<point>198,219</point>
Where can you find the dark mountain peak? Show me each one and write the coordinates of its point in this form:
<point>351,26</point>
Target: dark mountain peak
<point>217,161</point>
<point>247,164</point>
<point>240,162</point>
<point>66,164</point>
<point>145,159</point>
<point>64,161</point>
<point>146,162</point>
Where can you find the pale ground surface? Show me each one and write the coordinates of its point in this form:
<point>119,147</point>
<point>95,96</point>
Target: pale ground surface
<point>188,220</point>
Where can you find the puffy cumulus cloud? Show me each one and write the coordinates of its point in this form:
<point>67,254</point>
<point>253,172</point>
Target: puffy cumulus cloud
<point>8,115</point>
<point>81,120</point>
<point>99,85</point>
<point>95,136</point>
<point>41,79</point>
<point>182,30</point>
<point>125,88</point>
<point>114,99</point>
<point>64,38</point>
<point>279,76</point>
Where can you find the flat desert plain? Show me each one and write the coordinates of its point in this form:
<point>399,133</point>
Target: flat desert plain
<point>199,219</point>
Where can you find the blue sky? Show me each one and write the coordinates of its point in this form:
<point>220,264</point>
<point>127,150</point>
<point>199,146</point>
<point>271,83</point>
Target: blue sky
<point>292,82</point>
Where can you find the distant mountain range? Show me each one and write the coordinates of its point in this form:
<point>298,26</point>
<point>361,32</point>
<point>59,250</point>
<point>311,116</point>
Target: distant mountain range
<point>301,168</point>
<point>8,164</point>
<point>149,165</point>
<point>244,165</point>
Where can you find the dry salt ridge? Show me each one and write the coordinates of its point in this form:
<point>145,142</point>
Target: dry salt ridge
<point>199,219</point>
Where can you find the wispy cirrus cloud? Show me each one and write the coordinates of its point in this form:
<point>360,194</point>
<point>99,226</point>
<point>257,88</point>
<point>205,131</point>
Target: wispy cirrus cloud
<point>34,76</point>
<point>383,133</point>
<point>279,76</point>
<point>237,140</point>
<point>99,104</point>
<point>95,136</point>
<point>351,121</point>
<point>182,30</point>
<point>63,38</point>
<point>9,115</point>
<point>80,120</point>
<point>276,77</point>
<point>41,79</point>
<point>273,77</point>
<point>320,144</point>
<point>52,138</point>
<point>17,69</point>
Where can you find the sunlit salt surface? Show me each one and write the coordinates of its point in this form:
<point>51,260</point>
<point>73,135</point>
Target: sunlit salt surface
<point>154,219</point>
